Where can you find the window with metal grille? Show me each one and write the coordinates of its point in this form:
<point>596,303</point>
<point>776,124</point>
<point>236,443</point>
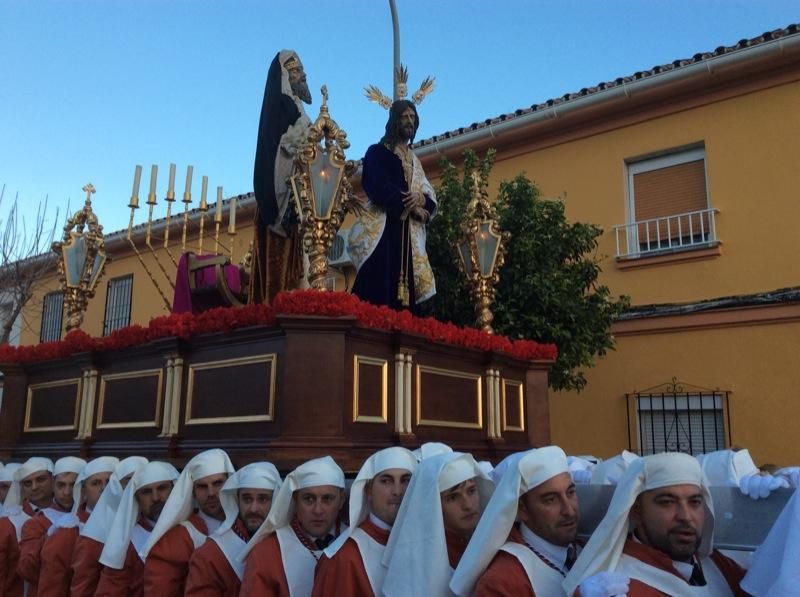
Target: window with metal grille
<point>118,304</point>
<point>674,418</point>
<point>51,317</point>
<point>667,204</point>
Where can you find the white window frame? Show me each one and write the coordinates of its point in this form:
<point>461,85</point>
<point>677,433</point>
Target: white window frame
<point>648,164</point>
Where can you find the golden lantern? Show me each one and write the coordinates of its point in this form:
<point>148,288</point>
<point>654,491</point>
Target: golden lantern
<point>321,190</point>
<point>481,249</point>
<point>82,260</point>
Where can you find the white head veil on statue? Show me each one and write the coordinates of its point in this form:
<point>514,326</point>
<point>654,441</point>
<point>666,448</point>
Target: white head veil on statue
<point>524,473</point>
<point>181,502</point>
<point>603,550</point>
<point>30,466</point>
<point>314,473</point>
<point>416,554</point>
<point>99,523</point>
<point>119,536</point>
<point>388,458</point>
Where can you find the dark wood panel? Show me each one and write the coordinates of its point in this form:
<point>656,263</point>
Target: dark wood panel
<point>240,390</point>
<point>449,398</point>
<point>52,406</point>
<point>130,401</point>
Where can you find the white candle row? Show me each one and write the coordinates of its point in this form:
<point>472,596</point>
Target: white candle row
<point>137,177</point>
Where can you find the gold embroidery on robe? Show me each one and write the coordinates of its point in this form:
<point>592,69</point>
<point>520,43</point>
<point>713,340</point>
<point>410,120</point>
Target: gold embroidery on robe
<point>368,229</point>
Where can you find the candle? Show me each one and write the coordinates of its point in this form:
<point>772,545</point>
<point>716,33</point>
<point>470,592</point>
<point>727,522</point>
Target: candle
<point>153,177</point>
<point>218,212</point>
<point>171,189</point>
<point>188,192</point>
<point>232,216</point>
<point>137,177</point>
<point>203,193</point>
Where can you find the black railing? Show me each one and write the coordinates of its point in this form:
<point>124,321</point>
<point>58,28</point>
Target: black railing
<point>678,419</point>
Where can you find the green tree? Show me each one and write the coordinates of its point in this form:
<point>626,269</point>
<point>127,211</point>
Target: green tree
<point>548,288</point>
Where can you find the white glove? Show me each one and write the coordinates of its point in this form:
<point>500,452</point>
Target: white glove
<point>605,584</point>
<point>583,477</point>
<point>791,474</point>
<point>760,486</point>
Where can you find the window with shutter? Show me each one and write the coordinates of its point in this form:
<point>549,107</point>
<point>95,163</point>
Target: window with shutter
<point>668,205</point>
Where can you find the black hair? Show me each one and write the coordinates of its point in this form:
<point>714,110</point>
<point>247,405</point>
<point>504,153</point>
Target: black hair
<point>392,136</point>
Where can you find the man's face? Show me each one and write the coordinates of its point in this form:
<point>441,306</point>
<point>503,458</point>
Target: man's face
<point>65,483</point>
<point>385,493</point>
<point>408,126</point>
<point>550,510</point>
<point>4,487</point>
<point>297,80</point>
<point>93,487</point>
<point>671,519</point>
<point>37,488</point>
<point>317,508</point>
<point>254,505</point>
<point>151,499</point>
<point>206,492</point>
<point>461,508</point>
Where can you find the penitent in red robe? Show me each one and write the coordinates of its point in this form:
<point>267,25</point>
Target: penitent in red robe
<point>210,572</point>
<point>34,532</point>
<point>86,567</point>
<point>11,585</point>
<point>263,572</point>
<point>345,573</point>
<point>505,575</point>
<point>127,582</point>
<point>167,564</point>
<point>56,561</point>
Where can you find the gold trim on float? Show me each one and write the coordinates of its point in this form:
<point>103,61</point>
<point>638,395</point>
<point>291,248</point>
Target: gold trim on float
<point>371,362</point>
<point>520,401</point>
<point>271,358</point>
<point>477,378</point>
<point>158,373</point>
<point>53,384</point>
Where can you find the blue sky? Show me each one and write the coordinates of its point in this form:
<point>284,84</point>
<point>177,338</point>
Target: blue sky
<point>90,88</point>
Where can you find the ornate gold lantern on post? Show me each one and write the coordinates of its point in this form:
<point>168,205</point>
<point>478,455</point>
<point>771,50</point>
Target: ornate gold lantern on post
<point>82,260</point>
<point>321,190</point>
<point>482,251</point>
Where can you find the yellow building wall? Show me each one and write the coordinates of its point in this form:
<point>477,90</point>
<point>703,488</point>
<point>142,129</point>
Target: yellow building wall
<point>752,143</point>
<point>756,364</point>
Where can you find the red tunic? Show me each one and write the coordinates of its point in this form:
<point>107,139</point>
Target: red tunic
<point>263,572</point>
<point>10,583</point>
<point>34,532</point>
<point>167,564</point>
<point>505,575</point>
<point>456,546</point>
<point>344,573</point>
<point>732,572</point>
<point>86,567</point>
<point>128,582</point>
<point>210,573</point>
<point>56,571</point>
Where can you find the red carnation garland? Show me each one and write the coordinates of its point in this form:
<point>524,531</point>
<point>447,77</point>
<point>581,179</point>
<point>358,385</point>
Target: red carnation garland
<point>298,302</point>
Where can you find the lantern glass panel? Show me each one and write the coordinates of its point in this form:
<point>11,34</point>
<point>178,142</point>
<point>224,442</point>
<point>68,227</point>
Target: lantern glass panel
<point>488,242</point>
<point>324,182</point>
<point>99,260</point>
<point>74,256</point>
